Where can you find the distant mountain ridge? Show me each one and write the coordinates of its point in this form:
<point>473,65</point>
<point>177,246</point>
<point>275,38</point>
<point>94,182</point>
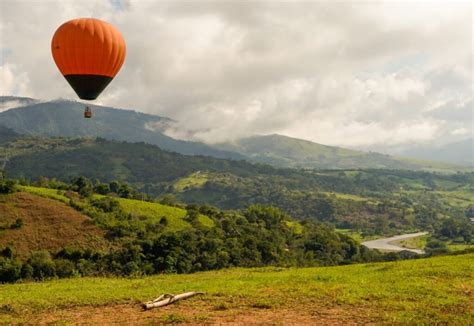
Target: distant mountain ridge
<point>283,151</point>
<point>63,118</point>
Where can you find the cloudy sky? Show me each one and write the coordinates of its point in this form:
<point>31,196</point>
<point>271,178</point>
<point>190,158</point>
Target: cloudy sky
<point>359,74</point>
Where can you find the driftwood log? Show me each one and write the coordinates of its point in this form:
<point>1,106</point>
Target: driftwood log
<point>167,299</point>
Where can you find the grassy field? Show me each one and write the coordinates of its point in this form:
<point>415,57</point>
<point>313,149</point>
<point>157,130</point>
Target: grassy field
<point>426,291</point>
<point>155,211</point>
<point>412,243</point>
<point>347,196</point>
<point>195,180</point>
<point>46,192</point>
<point>456,198</point>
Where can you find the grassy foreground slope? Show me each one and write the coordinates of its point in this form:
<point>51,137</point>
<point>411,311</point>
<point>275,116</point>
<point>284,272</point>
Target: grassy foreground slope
<point>428,291</point>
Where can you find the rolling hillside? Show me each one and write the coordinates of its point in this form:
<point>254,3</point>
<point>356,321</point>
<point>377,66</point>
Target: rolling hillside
<point>285,151</point>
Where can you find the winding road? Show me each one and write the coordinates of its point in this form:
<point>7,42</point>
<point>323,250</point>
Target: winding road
<point>386,243</point>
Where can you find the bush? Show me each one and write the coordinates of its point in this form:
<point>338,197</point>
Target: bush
<point>64,268</point>
<point>27,272</point>
<point>10,270</point>
<point>18,224</point>
<point>7,186</point>
<point>436,247</point>
<point>42,264</point>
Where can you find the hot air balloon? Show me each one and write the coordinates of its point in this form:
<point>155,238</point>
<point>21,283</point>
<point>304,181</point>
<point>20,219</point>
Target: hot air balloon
<point>89,53</point>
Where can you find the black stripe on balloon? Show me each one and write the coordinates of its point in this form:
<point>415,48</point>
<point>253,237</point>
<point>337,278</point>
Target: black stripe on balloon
<point>88,87</point>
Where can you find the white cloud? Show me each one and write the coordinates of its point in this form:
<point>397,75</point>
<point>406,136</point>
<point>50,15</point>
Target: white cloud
<point>343,73</point>
<point>14,81</point>
<point>460,131</point>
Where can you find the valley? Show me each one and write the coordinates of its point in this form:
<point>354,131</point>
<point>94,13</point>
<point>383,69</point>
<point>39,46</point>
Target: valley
<point>118,222</point>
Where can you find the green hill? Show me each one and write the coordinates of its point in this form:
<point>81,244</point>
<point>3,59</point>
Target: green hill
<point>427,291</point>
<point>285,151</point>
<point>65,118</point>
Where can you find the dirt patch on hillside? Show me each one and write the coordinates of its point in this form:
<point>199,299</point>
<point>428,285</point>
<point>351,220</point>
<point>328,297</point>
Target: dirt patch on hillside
<point>191,314</point>
<point>47,224</point>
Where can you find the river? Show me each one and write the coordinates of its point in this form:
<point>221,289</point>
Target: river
<point>386,243</point>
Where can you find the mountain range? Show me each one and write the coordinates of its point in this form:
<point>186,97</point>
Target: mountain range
<point>63,118</point>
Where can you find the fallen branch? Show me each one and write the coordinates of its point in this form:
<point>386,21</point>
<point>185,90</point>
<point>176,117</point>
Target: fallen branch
<point>167,299</point>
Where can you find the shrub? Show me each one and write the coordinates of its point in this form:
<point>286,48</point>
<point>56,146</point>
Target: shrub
<point>64,268</point>
<point>18,224</point>
<point>7,186</point>
<point>10,270</point>
<point>42,264</point>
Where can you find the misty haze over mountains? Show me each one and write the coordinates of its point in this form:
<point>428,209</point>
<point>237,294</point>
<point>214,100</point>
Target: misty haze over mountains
<point>64,118</point>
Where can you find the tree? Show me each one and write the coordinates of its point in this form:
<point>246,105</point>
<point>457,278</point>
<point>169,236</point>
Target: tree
<point>82,185</point>
<point>7,186</point>
<point>42,265</point>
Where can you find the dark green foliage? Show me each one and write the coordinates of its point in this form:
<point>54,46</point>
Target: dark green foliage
<point>82,185</point>
<point>7,186</point>
<point>436,247</point>
<point>10,270</point>
<point>7,252</point>
<point>17,224</point>
<point>42,265</point>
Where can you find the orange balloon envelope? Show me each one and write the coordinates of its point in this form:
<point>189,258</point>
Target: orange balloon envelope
<point>89,53</point>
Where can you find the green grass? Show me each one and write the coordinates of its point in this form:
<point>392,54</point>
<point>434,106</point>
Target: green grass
<point>46,192</point>
<point>347,196</point>
<point>356,235</point>
<point>193,181</point>
<point>456,198</point>
<point>413,243</point>
<point>155,212</point>
<point>459,246</point>
<point>432,291</point>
